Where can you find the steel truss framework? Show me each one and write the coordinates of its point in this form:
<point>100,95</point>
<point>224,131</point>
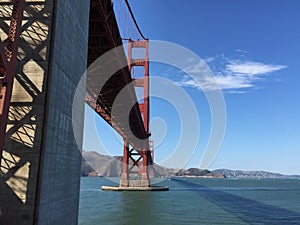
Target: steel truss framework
<point>8,61</point>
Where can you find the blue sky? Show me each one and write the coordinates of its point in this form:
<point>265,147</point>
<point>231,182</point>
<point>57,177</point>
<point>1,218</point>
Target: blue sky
<point>252,49</point>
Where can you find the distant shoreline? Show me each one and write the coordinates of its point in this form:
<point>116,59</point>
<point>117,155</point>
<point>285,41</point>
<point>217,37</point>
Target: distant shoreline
<point>206,177</point>
<point>95,164</point>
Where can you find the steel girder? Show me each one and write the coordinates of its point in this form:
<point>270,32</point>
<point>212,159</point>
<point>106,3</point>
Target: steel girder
<point>8,61</point>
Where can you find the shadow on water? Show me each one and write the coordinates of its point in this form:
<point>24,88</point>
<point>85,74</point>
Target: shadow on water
<point>137,206</point>
<point>249,211</point>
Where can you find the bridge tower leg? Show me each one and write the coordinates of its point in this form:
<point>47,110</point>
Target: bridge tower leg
<point>137,162</point>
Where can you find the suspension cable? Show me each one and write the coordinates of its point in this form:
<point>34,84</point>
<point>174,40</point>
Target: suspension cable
<point>131,13</point>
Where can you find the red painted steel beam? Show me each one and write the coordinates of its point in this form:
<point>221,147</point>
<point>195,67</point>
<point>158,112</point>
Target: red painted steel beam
<point>125,162</point>
<point>8,62</point>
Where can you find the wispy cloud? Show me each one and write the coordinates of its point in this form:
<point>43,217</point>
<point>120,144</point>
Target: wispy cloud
<point>233,76</point>
<point>250,68</point>
<point>209,59</point>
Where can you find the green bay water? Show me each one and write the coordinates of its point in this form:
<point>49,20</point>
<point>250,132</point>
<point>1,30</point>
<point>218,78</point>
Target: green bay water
<point>193,201</point>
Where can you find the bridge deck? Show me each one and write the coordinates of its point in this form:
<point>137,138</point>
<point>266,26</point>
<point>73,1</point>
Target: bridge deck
<point>104,36</point>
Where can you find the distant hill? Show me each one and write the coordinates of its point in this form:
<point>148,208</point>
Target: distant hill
<point>95,164</point>
<point>251,174</point>
<point>195,172</point>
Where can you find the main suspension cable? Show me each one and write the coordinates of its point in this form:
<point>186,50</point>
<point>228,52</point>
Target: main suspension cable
<point>131,13</point>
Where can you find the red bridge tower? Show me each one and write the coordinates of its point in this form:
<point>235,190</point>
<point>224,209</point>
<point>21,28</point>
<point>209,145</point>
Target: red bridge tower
<point>136,163</point>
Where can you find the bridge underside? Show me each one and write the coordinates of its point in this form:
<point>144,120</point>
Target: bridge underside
<point>102,87</point>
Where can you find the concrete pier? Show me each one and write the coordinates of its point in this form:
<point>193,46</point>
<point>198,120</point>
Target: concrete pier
<point>134,185</point>
<point>40,166</point>
<point>150,188</point>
